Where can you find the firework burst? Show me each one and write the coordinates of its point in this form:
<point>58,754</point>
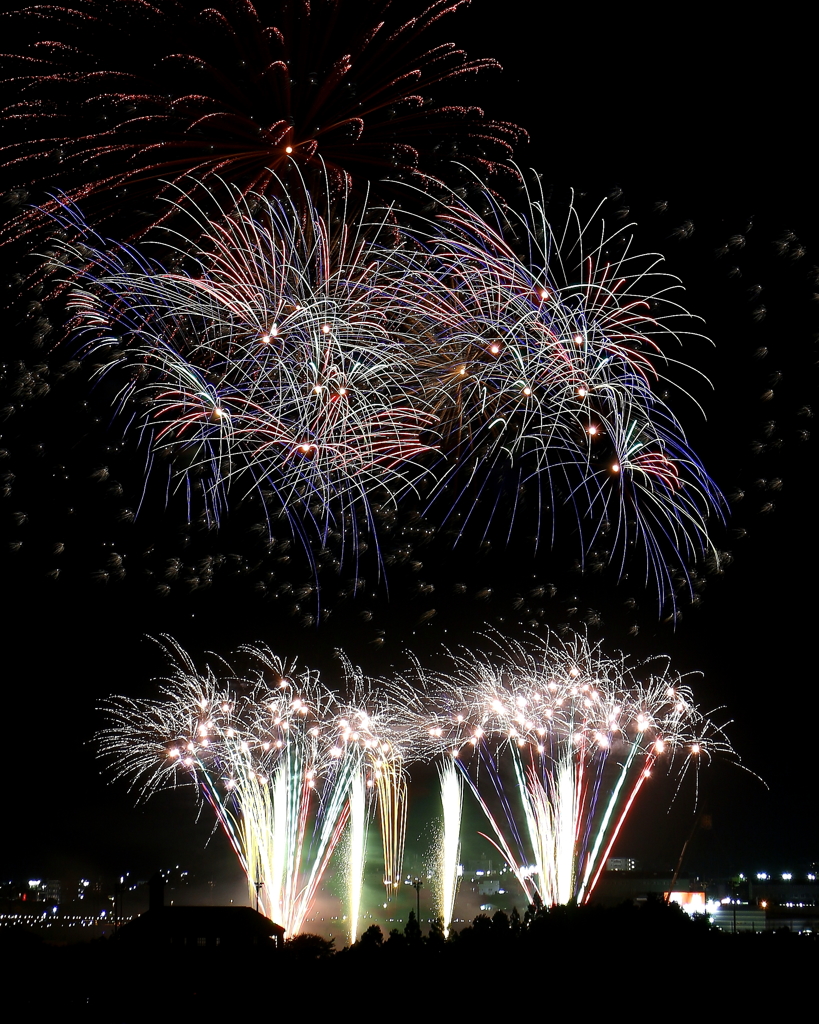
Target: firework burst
<point>128,97</point>
<point>555,741</point>
<point>275,364</point>
<point>306,357</point>
<point>548,373</point>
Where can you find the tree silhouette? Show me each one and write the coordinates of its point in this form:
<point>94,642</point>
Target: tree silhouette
<point>412,930</point>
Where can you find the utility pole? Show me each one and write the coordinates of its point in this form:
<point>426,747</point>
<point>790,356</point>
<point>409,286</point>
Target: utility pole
<point>417,886</point>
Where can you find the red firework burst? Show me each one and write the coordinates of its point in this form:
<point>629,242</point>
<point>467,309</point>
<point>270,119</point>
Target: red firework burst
<point>112,101</point>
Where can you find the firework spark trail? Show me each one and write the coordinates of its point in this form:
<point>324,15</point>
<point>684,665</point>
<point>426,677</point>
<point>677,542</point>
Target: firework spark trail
<point>357,850</point>
<point>378,720</point>
<point>452,796</point>
<point>278,365</point>
<point>579,731</point>
<point>390,782</point>
<point>595,862</point>
<point>550,812</point>
<point>371,743</point>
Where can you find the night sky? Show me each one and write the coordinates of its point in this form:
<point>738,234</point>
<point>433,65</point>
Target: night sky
<point>697,130</point>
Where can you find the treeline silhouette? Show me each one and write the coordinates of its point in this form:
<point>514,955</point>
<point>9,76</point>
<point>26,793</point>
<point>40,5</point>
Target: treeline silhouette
<point>591,954</point>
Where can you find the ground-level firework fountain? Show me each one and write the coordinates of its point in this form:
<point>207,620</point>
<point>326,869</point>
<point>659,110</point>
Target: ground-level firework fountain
<point>452,798</point>
<point>283,763</point>
<point>553,739</point>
